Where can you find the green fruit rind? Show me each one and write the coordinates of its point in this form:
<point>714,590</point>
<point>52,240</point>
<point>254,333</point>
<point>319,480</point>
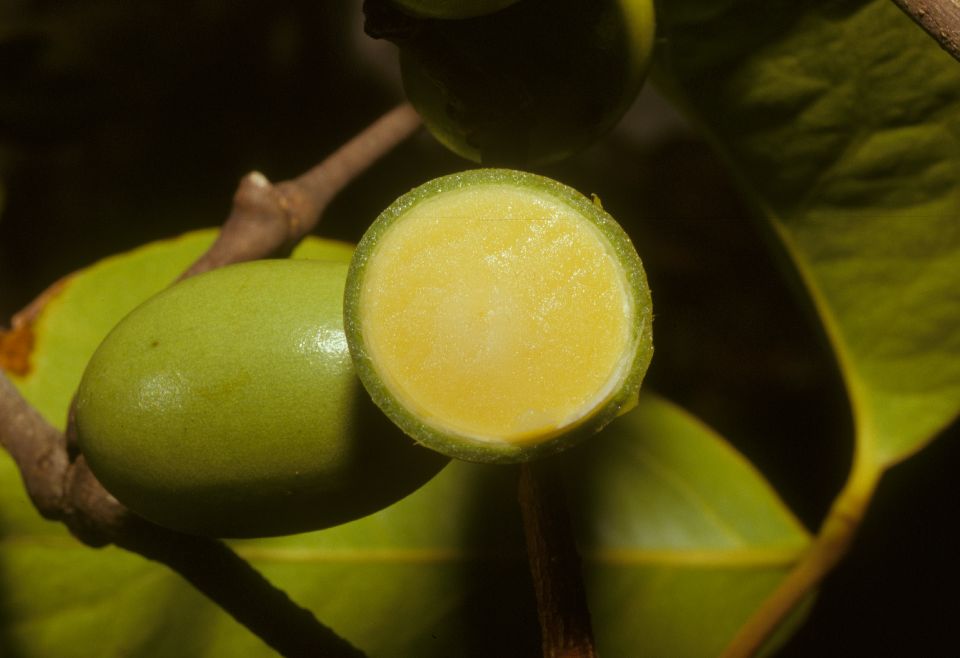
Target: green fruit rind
<point>451,9</point>
<point>227,405</point>
<point>467,448</point>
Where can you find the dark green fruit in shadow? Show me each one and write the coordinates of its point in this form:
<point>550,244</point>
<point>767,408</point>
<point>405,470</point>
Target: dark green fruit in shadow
<point>228,406</point>
<point>451,8</point>
<point>530,84</point>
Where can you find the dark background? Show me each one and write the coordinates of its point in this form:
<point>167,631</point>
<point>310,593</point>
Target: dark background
<point>121,123</point>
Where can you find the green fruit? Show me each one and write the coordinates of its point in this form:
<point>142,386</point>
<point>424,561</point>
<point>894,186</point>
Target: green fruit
<point>531,84</point>
<point>451,8</point>
<point>227,405</point>
<point>498,316</point>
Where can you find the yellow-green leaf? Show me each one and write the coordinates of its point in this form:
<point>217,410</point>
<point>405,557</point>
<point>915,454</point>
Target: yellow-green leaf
<point>683,538</point>
<point>842,120</point>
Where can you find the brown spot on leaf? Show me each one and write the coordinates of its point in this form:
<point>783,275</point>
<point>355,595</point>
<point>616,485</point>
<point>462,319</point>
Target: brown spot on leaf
<point>16,343</point>
<point>15,348</point>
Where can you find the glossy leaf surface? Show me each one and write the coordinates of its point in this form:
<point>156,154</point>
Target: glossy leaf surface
<point>680,532</point>
<point>842,120</point>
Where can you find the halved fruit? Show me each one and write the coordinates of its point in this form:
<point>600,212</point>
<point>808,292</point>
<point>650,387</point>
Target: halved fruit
<point>498,316</point>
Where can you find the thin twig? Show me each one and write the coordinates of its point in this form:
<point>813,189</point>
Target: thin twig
<point>265,220</point>
<point>270,219</point>
<point>241,591</point>
<point>565,627</point>
<point>940,18</point>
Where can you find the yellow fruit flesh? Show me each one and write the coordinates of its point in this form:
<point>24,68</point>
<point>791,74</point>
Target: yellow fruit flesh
<point>498,314</point>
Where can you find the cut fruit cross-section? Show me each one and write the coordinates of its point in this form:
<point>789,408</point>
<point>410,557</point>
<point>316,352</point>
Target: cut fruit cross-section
<point>498,316</point>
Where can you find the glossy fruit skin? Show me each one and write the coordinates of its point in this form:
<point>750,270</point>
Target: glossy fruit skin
<point>228,406</point>
<point>465,448</point>
<point>451,9</point>
<point>531,84</point>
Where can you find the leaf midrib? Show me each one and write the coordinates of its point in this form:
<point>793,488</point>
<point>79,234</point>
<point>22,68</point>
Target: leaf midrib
<point>734,557</point>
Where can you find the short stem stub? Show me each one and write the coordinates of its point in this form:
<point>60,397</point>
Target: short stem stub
<point>565,627</point>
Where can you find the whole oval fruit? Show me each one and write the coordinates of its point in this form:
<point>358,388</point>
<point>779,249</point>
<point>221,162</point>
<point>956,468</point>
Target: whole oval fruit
<point>498,316</point>
<point>228,406</point>
<point>530,84</point>
<point>451,9</point>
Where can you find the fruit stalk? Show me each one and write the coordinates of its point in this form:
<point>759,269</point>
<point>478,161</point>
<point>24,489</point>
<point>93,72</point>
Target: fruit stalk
<point>565,627</point>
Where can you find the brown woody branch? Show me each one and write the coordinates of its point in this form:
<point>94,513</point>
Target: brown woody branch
<point>265,220</point>
<point>268,219</point>
<point>940,18</point>
<point>565,627</point>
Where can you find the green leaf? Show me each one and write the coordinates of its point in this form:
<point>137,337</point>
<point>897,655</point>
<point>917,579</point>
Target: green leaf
<point>842,120</point>
<point>418,579</point>
<point>682,539</point>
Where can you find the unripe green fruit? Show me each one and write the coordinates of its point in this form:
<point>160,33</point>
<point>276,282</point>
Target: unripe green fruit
<point>451,9</point>
<point>533,83</point>
<point>498,316</point>
<point>228,406</point>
